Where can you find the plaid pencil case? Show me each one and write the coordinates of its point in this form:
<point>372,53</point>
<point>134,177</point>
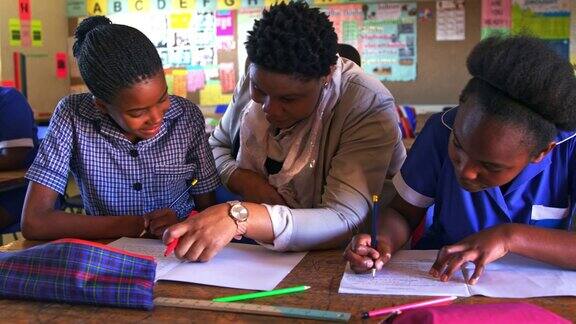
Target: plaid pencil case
<point>78,272</point>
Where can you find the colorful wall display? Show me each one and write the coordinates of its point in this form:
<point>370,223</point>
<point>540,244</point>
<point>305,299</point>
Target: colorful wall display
<point>205,38</point>
<point>388,41</point>
<point>549,20</point>
<point>496,17</point>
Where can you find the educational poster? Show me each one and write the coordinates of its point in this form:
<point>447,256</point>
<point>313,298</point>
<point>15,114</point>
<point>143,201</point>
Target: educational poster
<point>348,20</point>
<point>549,20</point>
<point>180,80</point>
<point>496,17</point>
<point>196,79</point>
<point>179,40</point>
<point>212,94</point>
<point>389,41</point>
<point>204,40</point>
<point>450,20</point>
<point>225,30</point>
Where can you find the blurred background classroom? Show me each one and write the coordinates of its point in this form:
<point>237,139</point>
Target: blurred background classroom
<point>416,48</point>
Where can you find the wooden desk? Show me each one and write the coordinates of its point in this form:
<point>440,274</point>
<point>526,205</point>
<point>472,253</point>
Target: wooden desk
<point>12,179</point>
<point>322,270</point>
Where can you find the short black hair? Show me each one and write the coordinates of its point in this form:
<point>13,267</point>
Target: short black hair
<point>349,52</point>
<point>293,39</point>
<point>521,81</point>
<point>113,57</point>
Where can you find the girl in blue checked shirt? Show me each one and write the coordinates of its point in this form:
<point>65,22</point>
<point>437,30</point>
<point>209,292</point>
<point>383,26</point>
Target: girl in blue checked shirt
<point>131,147</point>
<point>500,170</point>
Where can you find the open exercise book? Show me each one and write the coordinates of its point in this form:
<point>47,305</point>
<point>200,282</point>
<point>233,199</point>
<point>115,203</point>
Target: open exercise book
<point>242,266</point>
<point>512,276</point>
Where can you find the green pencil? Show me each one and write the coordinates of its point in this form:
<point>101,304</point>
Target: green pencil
<point>261,294</point>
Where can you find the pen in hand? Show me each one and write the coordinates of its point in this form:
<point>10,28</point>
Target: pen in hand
<point>172,245</point>
<point>374,229</point>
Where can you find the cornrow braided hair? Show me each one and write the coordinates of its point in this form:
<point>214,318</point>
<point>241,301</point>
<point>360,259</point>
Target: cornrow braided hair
<point>113,57</point>
<point>293,39</point>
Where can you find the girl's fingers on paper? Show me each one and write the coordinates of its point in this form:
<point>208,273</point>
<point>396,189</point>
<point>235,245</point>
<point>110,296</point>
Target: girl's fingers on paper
<point>444,255</point>
<point>480,264</point>
<point>456,262</point>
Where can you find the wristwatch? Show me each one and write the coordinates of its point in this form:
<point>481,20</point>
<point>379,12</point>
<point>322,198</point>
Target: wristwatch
<point>239,215</point>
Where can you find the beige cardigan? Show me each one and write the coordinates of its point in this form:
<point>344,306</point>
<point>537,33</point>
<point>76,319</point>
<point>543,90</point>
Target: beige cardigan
<point>361,146</point>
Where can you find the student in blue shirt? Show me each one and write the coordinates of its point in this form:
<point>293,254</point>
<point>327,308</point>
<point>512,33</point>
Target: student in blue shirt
<point>131,147</point>
<point>499,170</point>
<point>18,146</point>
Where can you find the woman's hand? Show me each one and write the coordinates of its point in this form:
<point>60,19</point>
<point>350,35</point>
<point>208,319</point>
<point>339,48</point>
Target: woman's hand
<point>202,236</point>
<point>362,257</point>
<point>159,220</point>
<point>480,248</point>
<point>254,188</point>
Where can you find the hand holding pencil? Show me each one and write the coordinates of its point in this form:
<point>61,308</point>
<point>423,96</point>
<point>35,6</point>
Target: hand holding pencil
<point>363,257</point>
<point>365,252</point>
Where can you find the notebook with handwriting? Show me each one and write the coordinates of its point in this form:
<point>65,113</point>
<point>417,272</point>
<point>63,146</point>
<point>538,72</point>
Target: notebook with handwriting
<point>512,276</point>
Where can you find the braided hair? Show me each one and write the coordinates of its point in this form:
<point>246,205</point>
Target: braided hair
<point>521,81</point>
<point>113,57</point>
<point>293,39</point>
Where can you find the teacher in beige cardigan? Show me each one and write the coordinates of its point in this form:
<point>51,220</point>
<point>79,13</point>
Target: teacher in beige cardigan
<point>306,141</point>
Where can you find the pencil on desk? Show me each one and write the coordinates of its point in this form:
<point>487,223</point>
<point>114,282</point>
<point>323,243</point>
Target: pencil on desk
<point>374,229</point>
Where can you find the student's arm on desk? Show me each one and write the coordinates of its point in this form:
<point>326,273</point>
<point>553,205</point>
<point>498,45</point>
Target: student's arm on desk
<point>552,246</point>
<point>13,158</point>
<point>397,222</point>
<point>40,221</point>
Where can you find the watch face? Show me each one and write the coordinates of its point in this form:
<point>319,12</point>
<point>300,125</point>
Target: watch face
<point>239,212</point>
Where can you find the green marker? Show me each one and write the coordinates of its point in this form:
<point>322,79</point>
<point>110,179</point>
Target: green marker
<point>261,294</point>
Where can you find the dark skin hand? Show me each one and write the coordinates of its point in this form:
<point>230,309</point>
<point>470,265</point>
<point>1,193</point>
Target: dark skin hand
<point>259,190</point>
<point>485,153</point>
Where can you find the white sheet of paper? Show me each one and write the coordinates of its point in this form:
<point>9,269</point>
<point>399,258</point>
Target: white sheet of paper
<point>513,276</point>
<point>405,274</point>
<point>242,266</point>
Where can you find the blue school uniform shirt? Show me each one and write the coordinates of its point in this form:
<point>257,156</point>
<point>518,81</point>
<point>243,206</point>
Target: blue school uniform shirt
<point>541,195</point>
<point>17,129</point>
<point>116,176</point>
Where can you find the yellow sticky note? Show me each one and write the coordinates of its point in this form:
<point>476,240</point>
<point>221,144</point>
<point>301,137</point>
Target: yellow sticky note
<point>37,33</point>
<point>180,20</point>
<point>228,4</point>
<point>138,5</point>
<point>97,7</point>
<point>15,31</point>
<point>212,95</point>
<point>184,5</point>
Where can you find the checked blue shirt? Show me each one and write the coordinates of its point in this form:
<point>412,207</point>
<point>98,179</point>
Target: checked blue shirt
<point>117,177</point>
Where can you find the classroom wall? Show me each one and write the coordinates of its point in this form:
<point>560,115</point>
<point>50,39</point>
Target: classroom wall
<point>44,89</point>
<point>441,69</point>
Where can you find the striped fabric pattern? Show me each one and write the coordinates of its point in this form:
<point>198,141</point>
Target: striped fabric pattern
<point>78,272</point>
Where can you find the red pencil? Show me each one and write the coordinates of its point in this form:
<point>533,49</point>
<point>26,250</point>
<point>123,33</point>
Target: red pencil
<point>172,245</point>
